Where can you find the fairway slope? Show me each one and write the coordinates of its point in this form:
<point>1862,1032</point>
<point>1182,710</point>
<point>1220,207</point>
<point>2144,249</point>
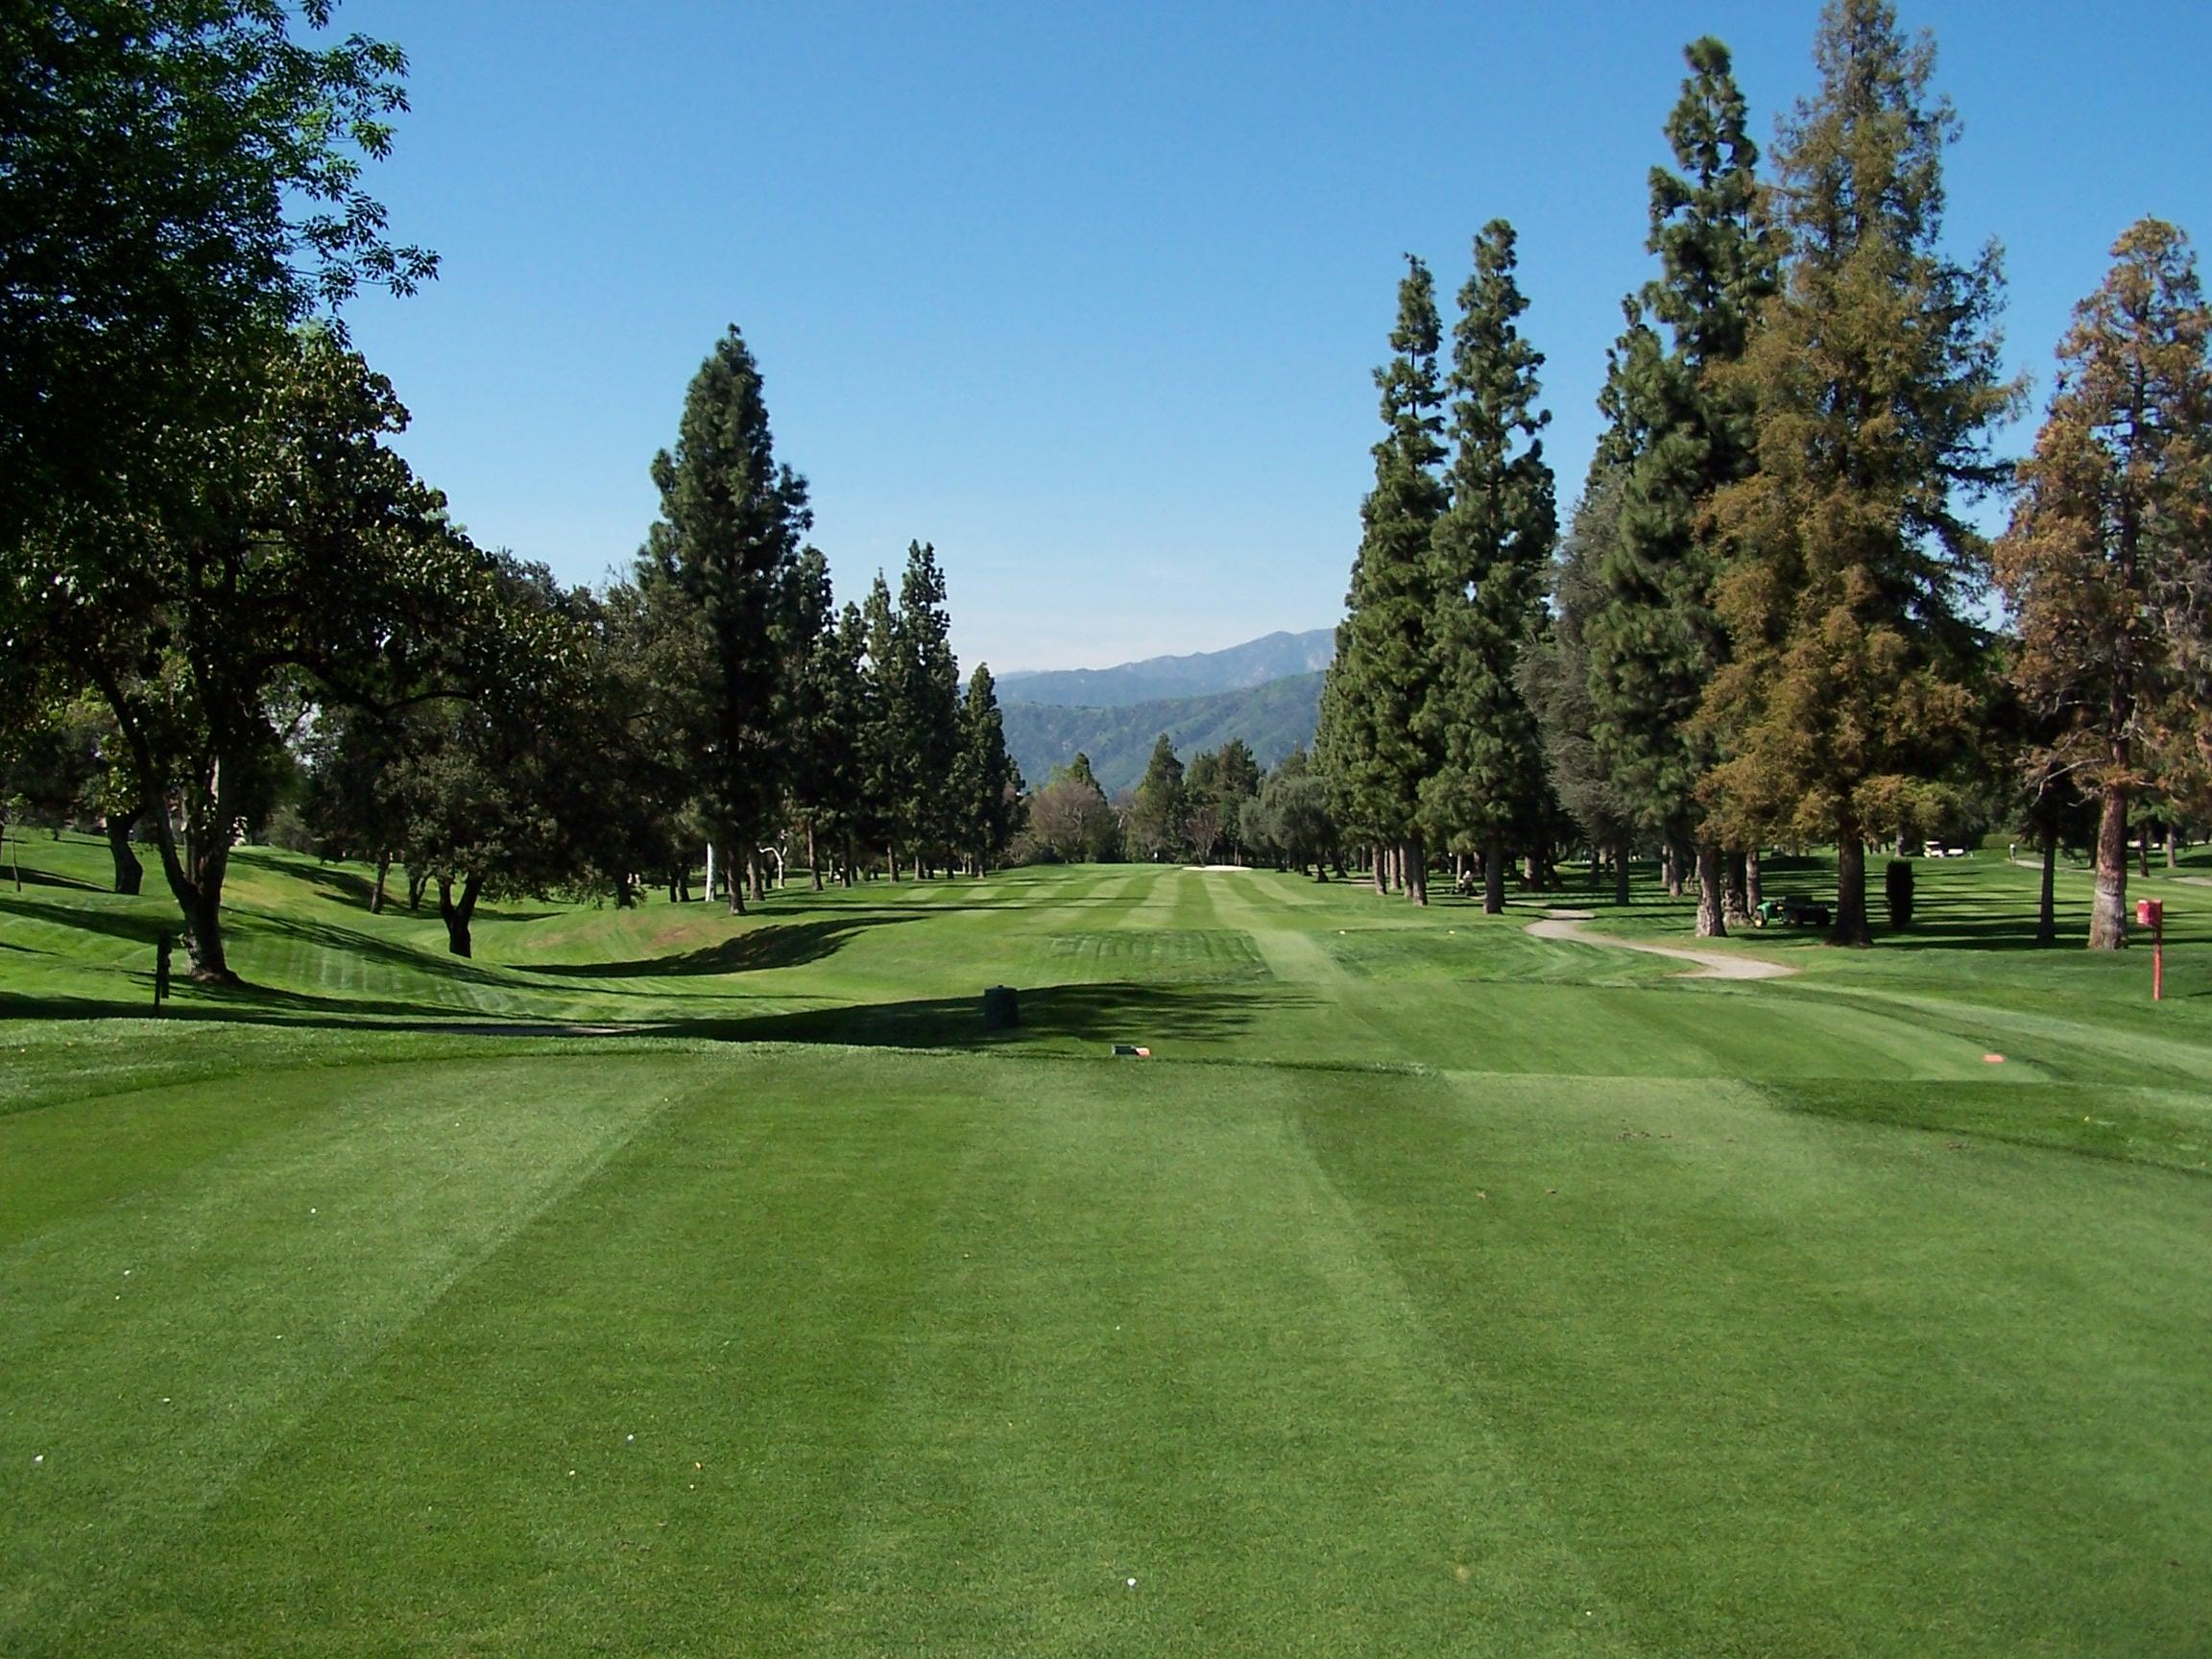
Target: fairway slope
<point>1435,1288</point>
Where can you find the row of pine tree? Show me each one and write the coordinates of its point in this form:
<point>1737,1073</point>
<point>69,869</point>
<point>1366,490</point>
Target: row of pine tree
<point>1761,626</point>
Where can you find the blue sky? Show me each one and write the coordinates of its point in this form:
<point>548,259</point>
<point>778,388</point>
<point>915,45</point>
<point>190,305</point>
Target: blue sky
<point>1089,296</point>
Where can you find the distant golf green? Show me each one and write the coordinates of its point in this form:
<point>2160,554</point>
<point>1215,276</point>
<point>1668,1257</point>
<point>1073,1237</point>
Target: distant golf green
<point>1433,1288</point>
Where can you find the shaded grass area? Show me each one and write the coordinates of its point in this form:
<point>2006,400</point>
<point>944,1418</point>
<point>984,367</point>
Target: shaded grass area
<point>1439,1289</point>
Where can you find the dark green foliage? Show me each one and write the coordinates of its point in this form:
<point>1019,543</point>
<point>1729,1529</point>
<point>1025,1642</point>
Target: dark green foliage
<point>921,705</point>
<point>1487,554</point>
<point>181,184</point>
<point>986,784</point>
<point>844,704</point>
<point>305,563</point>
<point>1682,432</point>
<point>1216,787</point>
<point>1157,813</point>
<point>1554,672</point>
<point>729,532</point>
<point>1375,744</point>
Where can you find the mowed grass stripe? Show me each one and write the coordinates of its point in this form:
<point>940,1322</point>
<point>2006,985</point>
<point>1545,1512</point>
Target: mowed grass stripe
<point>154,1348</point>
<point>1160,1349</point>
<point>631,1429</point>
<point>1708,1325</point>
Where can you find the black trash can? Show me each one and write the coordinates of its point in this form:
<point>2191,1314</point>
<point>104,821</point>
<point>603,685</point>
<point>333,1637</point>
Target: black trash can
<point>1001,1008</point>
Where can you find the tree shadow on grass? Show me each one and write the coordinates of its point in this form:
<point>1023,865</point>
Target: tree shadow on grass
<point>1154,1016</point>
<point>776,945</point>
<point>351,941</point>
<point>116,924</point>
<point>53,879</point>
<point>1947,928</point>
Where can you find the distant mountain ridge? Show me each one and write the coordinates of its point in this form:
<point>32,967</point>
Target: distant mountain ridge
<point>1279,656</point>
<point>1270,717</point>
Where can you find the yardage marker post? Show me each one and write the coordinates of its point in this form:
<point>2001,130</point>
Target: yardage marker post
<point>2152,914</point>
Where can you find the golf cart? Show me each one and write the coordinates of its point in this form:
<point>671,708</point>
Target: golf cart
<point>1792,910</point>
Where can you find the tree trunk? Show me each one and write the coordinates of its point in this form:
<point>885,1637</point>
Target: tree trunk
<point>1620,872</point>
<point>1735,911</point>
<point>1849,925</point>
<point>754,876</point>
<point>417,881</point>
<point>625,896</point>
<point>195,874</point>
<point>377,893</point>
<point>1494,875</point>
<point>1754,884</point>
<point>1417,871</point>
<point>1382,869</point>
<point>2109,912</point>
<point>2173,847</point>
<point>813,858</point>
<point>1597,866</point>
<point>1711,892</point>
<point>845,876</point>
<point>2047,902</point>
<point>457,913</point>
<point>1670,861</point>
<point>129,873</point>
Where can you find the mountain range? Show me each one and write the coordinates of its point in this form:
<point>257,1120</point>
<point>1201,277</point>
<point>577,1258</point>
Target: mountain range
<point>1267,692</point>
<point>1277,656</point>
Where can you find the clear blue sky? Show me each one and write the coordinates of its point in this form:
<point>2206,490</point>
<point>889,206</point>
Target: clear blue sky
<point>1089,296</point>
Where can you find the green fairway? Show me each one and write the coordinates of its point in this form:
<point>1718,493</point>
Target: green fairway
<point>1434,1289</point>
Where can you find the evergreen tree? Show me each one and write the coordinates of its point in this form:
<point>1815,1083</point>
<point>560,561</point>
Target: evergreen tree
<point>1555,679</point>
<point>886,761</point>
<point>846,699</point>
<point>929,715</point>
<point>1373,740</point>
<point>808,634</point>
<point>729,528</point>
<point>1157,814</point>
<point>1657,641</point>
<point>1874,377</point>
<point>1487,555</point>
<point>2108,559</point>
<point>986,784</point>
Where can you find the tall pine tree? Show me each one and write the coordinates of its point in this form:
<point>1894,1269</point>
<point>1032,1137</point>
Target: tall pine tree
<point>730,522</point>
<point>1487,556</point>
<point>986,784</point>
<point>1875,378</point>
<point>926,707</point>
<point>1385,668</point>
<point>2108,561</point>
<point>1657,641</point>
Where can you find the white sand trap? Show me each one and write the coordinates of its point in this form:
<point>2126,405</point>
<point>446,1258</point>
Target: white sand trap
<point>1711,964</point>
<point>1192,868</point>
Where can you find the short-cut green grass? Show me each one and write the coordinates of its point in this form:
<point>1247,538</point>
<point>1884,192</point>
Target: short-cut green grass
<point>1433,1288</point>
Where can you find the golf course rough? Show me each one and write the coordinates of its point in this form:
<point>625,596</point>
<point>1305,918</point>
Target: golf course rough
<point>1433,1288</point>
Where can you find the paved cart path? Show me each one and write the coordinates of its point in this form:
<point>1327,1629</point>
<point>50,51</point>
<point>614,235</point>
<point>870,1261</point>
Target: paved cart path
<point>1711,964</point>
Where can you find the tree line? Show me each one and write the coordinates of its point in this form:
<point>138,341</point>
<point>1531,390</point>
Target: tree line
<point>1763,625</point>
<point>1218,807</point>
<point>220,585</point>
